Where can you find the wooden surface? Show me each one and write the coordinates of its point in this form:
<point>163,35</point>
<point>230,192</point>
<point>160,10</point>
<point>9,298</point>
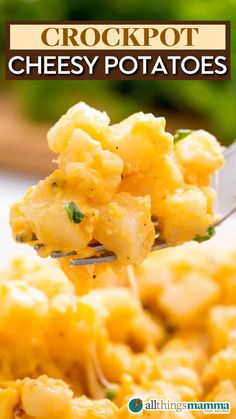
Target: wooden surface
<point>23,144</point>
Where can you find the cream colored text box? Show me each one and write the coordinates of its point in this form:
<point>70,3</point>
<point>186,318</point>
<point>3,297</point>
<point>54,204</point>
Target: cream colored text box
<point>204,36</point>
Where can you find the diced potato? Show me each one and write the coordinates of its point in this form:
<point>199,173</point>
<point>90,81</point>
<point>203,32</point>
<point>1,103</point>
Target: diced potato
<point>185,301</point>
<point>71,327</point>
<point>200,155</point>
<point>222,326</point>
<point>183,376</point>
<point>225,275</point>
<point>79,116</point>
<point>117,359</point>
<point>167,266</point>
<point>23,308</point>
<point>46,398</point>
<point>139,140</point>
<point>117,307</point>
<point>222,366</point>
<point>93,409</point>
<point>158,182</point>
<point>185,350</point>
<point>97,172</point>
<point>124,226</point>
<point>145,331</point>
<point>8,400</point>
<point>184,215</point>
<point>43,275</point>
<point>47,218</point>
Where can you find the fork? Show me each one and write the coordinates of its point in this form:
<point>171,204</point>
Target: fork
<point>224,182</point>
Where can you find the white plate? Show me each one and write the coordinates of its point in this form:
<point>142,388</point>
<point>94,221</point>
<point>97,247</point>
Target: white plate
<point>12,188</point>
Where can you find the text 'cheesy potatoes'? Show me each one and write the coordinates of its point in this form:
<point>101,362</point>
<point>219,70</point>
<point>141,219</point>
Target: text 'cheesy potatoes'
<point>72,357</point>
<point>111,180</point>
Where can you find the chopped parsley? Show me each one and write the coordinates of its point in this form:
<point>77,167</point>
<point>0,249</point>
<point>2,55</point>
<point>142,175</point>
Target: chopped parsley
<point>73,212</point>
<point>210,233</point>
<point>181,134</point>
<point>110,393</point>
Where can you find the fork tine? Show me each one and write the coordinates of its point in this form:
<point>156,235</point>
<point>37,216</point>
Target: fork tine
<point>222,219</point>
<point>108,257</point>
<point>96,246</point>
<point>225,183</point>
<point>231,149</point>
<point>57,254</point>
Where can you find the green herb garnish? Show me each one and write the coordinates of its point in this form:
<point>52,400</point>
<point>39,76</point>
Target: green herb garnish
<point>181,134</point>
<point>110,393</point>
<point>73,212</point>
<point>210,233</point>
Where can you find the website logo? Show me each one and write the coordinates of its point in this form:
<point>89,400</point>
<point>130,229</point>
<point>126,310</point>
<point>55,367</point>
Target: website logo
<point>135,405</point>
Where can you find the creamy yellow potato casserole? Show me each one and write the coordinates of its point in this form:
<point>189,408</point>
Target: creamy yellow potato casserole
<point>111,180</point>
<point>65,356</point>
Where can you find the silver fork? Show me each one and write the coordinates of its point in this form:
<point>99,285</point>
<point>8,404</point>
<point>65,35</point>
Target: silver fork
<point>225,184</point>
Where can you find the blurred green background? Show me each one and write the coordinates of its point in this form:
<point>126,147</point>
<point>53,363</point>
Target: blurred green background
<point>210,104</point>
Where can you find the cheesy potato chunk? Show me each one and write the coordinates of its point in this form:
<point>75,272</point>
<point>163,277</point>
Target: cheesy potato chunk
<point>111,180</point>
<point>199,155</point>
